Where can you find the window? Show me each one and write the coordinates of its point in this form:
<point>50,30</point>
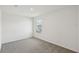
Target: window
<point>38,25</point>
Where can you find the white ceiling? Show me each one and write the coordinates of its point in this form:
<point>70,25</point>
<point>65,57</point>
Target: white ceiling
<point>25,9</point>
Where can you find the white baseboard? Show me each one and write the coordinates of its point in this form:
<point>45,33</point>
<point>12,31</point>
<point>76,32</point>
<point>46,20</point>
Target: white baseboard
<point>54,43</point>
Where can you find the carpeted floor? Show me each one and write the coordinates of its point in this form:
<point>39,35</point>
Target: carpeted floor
<point>32,45</point>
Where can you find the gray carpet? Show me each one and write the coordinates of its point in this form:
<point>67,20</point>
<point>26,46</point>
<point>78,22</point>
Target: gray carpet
<point>32,45</point>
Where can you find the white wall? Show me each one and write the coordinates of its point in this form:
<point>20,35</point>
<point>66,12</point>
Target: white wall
<point>60,27</point>
<point>0,30</point>
<point>15,27</point>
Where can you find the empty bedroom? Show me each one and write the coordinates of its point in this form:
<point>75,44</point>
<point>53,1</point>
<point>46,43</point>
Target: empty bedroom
<point>39,28</point>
